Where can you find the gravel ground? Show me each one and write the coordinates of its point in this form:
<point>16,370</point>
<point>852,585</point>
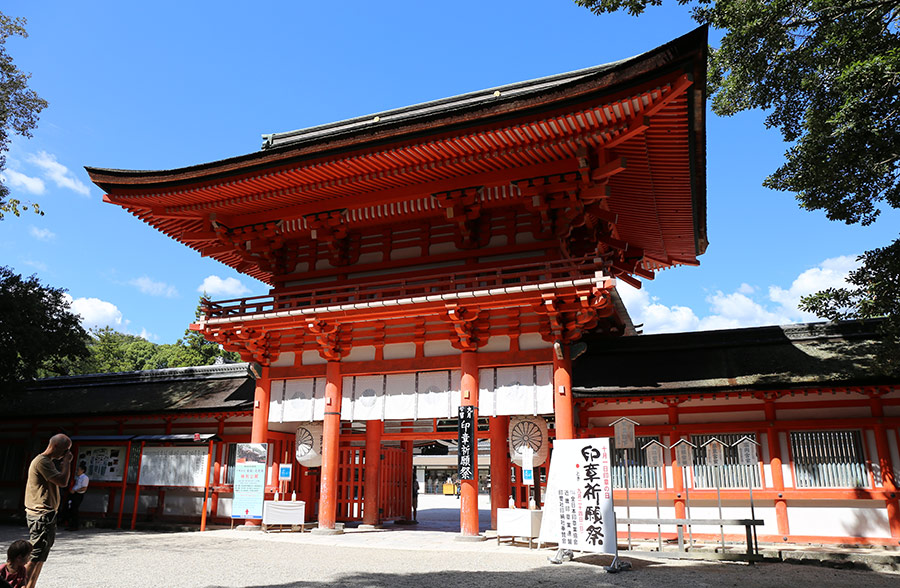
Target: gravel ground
<point>396,557</point>
<point>236,558</point>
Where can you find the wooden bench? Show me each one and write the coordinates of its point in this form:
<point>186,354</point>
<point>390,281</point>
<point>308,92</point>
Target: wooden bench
<point>748,524</point>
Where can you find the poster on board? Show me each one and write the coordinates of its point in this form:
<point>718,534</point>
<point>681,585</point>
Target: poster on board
<point>103,464</point>
<point>174,466</point>
<point>578,511</point>
<point>249,480</point>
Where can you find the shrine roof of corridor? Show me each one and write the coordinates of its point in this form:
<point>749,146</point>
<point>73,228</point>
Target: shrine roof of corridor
<point>214,388</point>
<point>770,358</point>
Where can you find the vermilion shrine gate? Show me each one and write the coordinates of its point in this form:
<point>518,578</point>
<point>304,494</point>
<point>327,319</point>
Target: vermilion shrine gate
<point>442,255</point>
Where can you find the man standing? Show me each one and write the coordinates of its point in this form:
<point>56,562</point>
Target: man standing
<point>45,478</point>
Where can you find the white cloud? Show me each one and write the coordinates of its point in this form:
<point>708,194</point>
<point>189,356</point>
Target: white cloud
<point>735,310</point>
<point>38,265</point>
<point>832,272</point>
<point>96,313</point>
<point>41,234</point>
<point>148,336</point>
<point>656,317</point>
<point>153,288</point>
<point>58,173</point>
<point>216,286</point>
<point>745,307</point>
<point>15,179</point>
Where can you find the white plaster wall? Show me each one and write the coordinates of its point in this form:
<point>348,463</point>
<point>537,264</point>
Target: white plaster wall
<point>182,504</point>
<point>895,456</point>
<point>838,521</point>
<point>498,343</point>
<point>438,348</point>
<point>787,474</point>
<point>873,456</point>
<point>312,357</point>
<point>725,416</point>
<point>848,412</point>
<point>286,359</point>
<point>406,253</point>
<point>364,353</point>
<point>400,351</point>
<point>223,509</point>
<point>533,341</point>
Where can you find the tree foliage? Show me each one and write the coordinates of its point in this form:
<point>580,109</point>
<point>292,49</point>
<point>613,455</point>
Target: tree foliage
<point>110,351</point>
<point>827,74</point>
<point>37,329</point>
<point>19,108</point>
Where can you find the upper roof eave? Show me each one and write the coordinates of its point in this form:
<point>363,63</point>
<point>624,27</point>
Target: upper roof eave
<point>414,120</point>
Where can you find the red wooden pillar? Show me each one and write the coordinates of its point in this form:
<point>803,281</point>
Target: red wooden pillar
<point>259,432</point>
<point>331,437</point>
<point>372,502</point>
<point>563,405</point>
<point>886,466</point>
<point>499,465</point>
<point>781,516</point>
<point>677,472</point>
<point>468,491</point>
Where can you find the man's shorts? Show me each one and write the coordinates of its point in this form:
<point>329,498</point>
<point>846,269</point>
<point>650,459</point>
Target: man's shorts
<point>42,529</point>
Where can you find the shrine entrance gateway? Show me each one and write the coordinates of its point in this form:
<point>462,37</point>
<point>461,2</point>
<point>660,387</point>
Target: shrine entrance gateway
<point>417,407</point>
<point>482,232</point>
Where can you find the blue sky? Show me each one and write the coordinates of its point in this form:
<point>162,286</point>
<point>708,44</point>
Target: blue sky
<point>170,84</point>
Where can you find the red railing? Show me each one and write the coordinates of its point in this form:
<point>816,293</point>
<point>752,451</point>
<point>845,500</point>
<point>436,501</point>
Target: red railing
<point>409,287</point>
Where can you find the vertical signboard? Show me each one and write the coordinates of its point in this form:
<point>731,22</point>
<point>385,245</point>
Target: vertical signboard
<point>653,452</point>
<point>715,453</point>
<point>466,443</point>
<point>684,453</point>
<point>249,480</point>
<point>527,466</point>
<point>624,432</point>
<point>746,448</point>
<point>578,513</point>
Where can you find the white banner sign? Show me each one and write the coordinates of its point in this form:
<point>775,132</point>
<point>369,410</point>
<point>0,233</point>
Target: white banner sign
<point>578,512</point>
<point>249,481</point>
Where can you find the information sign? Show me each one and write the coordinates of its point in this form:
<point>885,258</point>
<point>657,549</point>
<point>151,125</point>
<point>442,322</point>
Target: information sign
<point>249,480</point>
<point>578,512</point>
<point>284,472</point>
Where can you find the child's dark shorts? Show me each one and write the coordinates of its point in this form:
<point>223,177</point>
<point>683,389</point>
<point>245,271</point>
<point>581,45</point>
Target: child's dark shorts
<point>42,529</point>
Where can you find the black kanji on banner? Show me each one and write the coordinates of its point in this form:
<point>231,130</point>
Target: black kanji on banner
<point>466,443</point>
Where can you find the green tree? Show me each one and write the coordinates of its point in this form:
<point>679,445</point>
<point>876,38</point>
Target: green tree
<point>19,108</point>
<point>827,74</point>
<point>37,329</point>
<point>200,351</point>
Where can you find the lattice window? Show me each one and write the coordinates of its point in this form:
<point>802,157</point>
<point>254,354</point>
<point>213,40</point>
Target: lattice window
<point>829,459</point>
<point>730,475</point>
<point>640,475</point>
